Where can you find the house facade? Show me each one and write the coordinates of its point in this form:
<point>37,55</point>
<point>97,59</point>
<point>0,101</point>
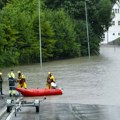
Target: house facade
<point>114,30</point>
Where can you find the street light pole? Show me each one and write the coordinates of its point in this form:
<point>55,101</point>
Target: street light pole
<point>40,35</point>
<point>87,29</point>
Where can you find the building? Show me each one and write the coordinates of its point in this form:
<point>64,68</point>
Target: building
<point>114,30</point>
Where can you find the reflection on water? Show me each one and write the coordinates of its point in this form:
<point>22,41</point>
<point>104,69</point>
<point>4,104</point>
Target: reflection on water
<point>85,81</point>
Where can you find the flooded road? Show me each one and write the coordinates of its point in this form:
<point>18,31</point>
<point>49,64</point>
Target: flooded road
<point>91,87</point>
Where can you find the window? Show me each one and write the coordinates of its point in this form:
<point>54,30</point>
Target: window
<point>112,10</point>
<point>113,22</point>
<point>103,36</point>
<point>119,34</point>
<point>113,33</point>
<point>115,10</point>
<point>118,22</point>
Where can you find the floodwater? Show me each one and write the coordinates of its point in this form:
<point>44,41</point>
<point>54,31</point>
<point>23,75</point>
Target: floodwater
<point>91,87</point>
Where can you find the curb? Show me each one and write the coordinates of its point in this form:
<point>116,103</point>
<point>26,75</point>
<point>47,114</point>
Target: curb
<point>3,110</point>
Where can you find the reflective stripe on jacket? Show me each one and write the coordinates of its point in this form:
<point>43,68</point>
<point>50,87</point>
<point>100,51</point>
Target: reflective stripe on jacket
<point>11,75</point>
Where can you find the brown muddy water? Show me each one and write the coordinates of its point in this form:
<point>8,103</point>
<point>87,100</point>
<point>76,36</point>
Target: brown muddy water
<point>94,80</point>
<point>91,86</point>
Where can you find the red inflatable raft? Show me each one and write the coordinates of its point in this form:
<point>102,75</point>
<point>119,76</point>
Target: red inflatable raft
<point>39,92</point>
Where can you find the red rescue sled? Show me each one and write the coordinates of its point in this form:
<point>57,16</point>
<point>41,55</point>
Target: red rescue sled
<point>39,92</point>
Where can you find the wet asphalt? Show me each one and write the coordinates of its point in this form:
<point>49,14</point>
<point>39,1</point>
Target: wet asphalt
<point>60,111</point>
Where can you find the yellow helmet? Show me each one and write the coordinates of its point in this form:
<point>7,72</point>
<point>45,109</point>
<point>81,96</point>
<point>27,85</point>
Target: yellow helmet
<point>23,76</point>
<point>18,71</point>
<point>49,73</point>
<point>0,73</point>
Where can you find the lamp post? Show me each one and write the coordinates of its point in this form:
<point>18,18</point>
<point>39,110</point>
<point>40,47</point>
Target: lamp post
<point>87,28</point>
<point>40,34</point>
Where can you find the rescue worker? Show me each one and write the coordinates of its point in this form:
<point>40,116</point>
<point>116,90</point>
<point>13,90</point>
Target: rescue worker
<point>1,81</point>
<point>11,79</point>
<point>50,81</point>
<point>21,80</point>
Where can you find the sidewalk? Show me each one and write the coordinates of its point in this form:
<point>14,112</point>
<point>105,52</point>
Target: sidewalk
<point>2,104</point>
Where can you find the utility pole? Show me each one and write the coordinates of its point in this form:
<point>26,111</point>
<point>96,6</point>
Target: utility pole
<point>87,28</point>
<point>40,35</point>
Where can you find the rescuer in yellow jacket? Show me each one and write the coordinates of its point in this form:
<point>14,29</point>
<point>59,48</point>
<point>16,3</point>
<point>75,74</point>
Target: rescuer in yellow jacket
<point>21,80</point>
<point>11,79</point>
<point>50,79</point>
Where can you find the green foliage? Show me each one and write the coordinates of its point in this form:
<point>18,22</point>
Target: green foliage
<point>3,3</point>
<point>99,18</point>
<point>9,58</point>
<point>48,41</point>
<point>65,35</point>
<point>53,4</point>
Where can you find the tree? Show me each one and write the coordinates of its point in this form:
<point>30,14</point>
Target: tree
<point>3,3</point>
<point>63,29</point>
<point>99,18</point>
<point>20,32</point>
<point>65,45</point>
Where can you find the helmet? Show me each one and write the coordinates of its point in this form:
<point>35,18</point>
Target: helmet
<point>19,72</point>
<point>23,76</point>
<point>49,73</point>
<point>0,73</point>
